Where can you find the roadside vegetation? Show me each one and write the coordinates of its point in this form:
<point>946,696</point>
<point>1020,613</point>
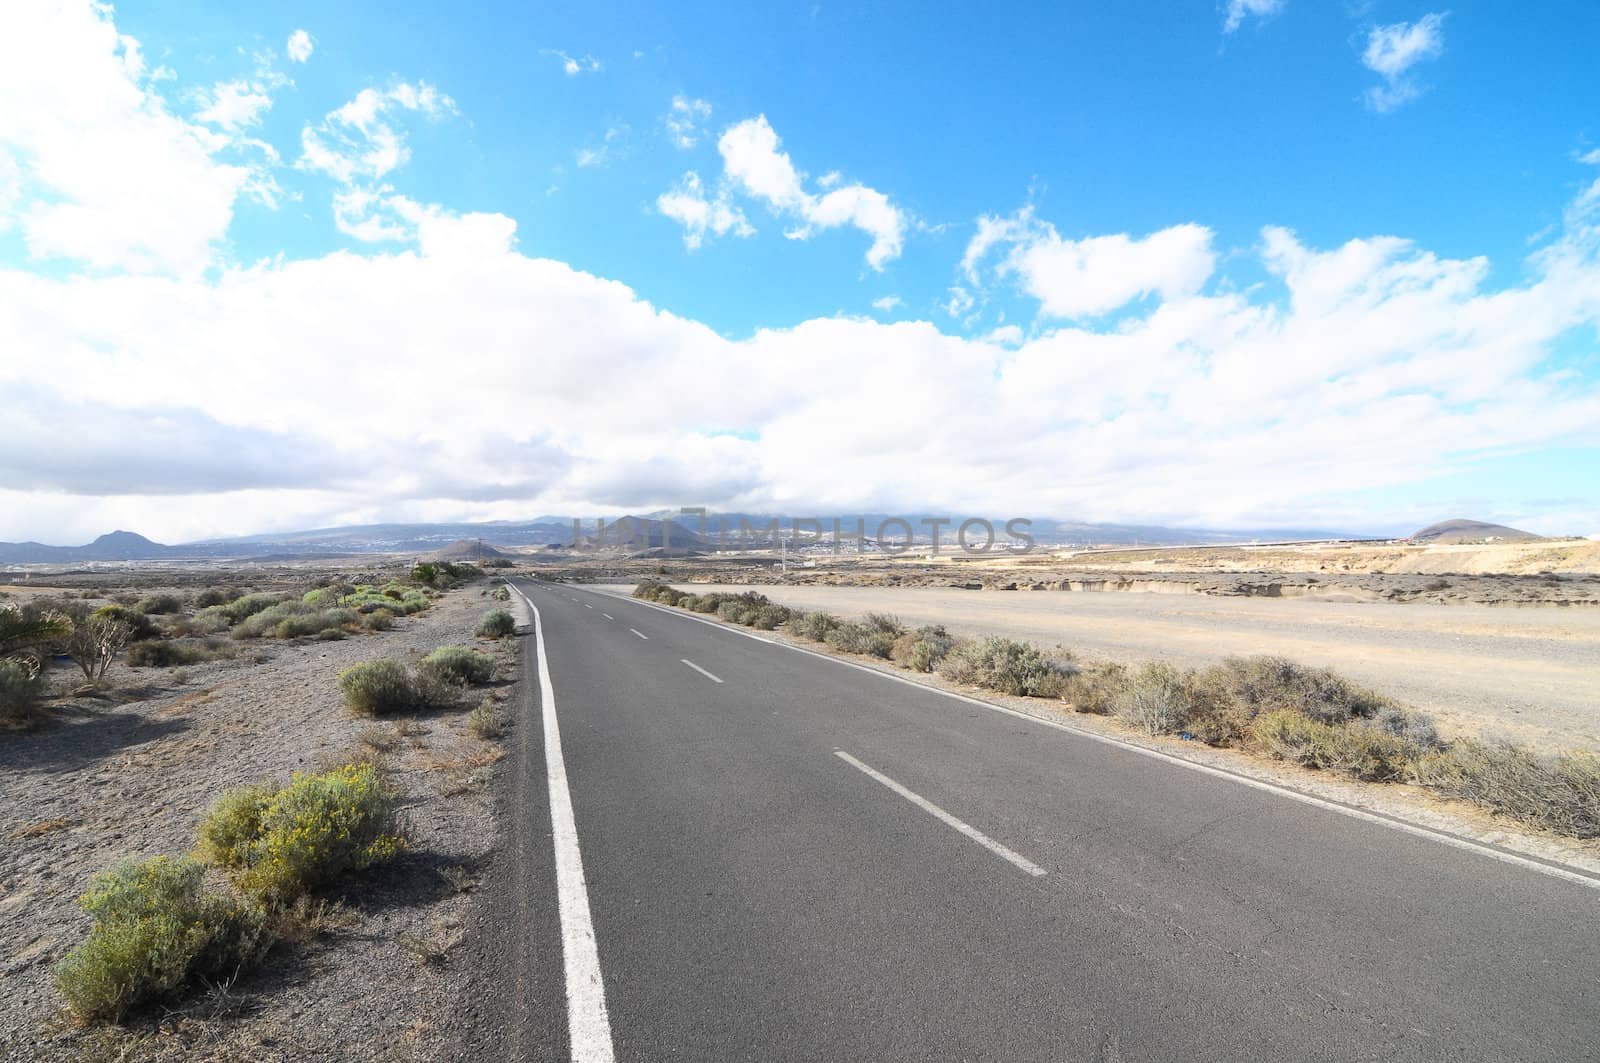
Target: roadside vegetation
<point>1269,706</point>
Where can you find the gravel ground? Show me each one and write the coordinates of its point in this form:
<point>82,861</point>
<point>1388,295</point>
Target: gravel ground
<point>130,774</point>
<point>1532,674</point>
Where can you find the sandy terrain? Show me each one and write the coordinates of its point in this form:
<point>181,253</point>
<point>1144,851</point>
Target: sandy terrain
<point>1532,674</point>
<point>130,774</point>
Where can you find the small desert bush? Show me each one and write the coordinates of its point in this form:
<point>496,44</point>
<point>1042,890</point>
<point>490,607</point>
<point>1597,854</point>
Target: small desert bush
<point>768,617</point>
<point>735,612</point>
<point>21,687</point>
<point>1096,687</point>
<point>379,688</point>
<point>851,637</point>
<point>157,930</point>
<point>921,650</point>
<point>1154,700</point>
<point>281,843</point>
<point>248,605</point>
<point>486,721</point>
<point>1557,792</point>
<point>212,596</point>
<point>155,653</point>
<point>1353,749</point>
<point>496,625</point>
<point>160,605</point>
<point>501,594</point>
<point>458,665</point>
<point>289,620</point>
<point>379,619</point>
<point>139,625</point>
<point>1006,665</point>
<point>813,626</point>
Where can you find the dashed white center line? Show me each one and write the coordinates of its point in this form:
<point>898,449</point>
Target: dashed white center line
<point>586,605</point>
<point>641,634</point>
<point>944,817</point>
<point>608,616</point>
<point>697,668</point>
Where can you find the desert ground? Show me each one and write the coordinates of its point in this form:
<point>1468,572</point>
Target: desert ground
<point>1492,640</point>
<point>127,771</point>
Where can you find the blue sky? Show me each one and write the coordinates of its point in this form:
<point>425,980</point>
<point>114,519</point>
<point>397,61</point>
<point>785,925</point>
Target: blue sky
<point>1176,215</point>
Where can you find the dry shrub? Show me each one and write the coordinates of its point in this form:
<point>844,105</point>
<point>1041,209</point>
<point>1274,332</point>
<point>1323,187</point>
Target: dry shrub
<point>1008,666</point>
<point>1560,793</point>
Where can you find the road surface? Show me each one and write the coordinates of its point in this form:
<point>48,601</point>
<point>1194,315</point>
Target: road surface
<point>725,849</point>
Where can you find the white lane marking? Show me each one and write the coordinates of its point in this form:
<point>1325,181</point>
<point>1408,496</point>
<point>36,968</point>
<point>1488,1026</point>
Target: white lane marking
<point>641,634</point>
<point>608,616</point>
<point>697,668</point>
<point>588,1026</point>
<point>944,817</point>
<point>1455,841</point>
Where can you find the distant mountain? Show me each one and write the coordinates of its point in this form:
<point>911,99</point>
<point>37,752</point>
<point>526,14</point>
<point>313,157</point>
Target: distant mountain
<point>666,530</point>
<point>113,546</point>
<point>467,550</point>
<point>1471,531</point>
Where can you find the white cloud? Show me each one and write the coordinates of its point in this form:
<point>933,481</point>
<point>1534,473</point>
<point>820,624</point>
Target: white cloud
<point>1239,10</point>
<point>1391,53</point>
<point>358,145</point>
<point>234,105</point>
<point>752,160</point>
<point>887,304</point>
<point>106,175</point>
<point>299,46</point>
<point>688,205</point>
<point>1370,364</point>
<point>600,155</point>
<point>1590,158</point>
<point>575,65</point>
<point>1096,275</point>
<point>685,119</point>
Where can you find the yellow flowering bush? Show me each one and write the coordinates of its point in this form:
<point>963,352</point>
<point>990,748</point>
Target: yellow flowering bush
<point>282,843</point>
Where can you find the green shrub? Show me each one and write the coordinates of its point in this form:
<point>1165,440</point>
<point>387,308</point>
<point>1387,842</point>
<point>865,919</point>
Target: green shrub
<point>157,929</point>
<point>139,625</point>
<point>162,654</point>
<point>21,687</point>
<point>1560,793</point>
<point>921,650</point>
<point>288,620</point>
<point>735,612</point>
<point>1154,699</point>
<point>1020,669</point>
<point>496,625</point>
<point>486,721</point>
<point>212,596</point>
<point>1353,749</point>
<point>160,605</point>
<point>248,605</point>
<point>769,617</point>
<point>379,688</point>
<point>379,619</point>
<point>851,637</point>
<point>813,626</point>
<point>458,665</point>
<point>280,844</point>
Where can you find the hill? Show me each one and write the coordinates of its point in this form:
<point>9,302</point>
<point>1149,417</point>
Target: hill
<point>113,546</point>
<point>1471,531</point>
<point>468,550</point>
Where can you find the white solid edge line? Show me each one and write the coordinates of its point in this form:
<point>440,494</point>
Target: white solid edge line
<point>697,668</point>
<point>588,1027</point>
<point>1582,878</point>
<point>641,634</point>
<point>940,814</point>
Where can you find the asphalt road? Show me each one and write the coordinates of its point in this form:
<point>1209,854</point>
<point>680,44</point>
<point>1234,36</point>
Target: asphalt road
<point>787,858</point>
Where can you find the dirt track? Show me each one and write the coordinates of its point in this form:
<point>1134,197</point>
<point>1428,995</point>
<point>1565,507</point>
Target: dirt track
<point>1531,674</point>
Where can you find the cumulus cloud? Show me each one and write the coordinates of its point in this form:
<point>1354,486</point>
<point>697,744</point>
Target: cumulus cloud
<point>685,119</point>
<point>299,46</point>
<point>755,164</point>
<point>1095,275</point>
<point>1391,53</point>
<point>235,104</point>
<point>1367,364</point>
<point>689,206</point>
<point>1239,10</point>
<point>105,174</point>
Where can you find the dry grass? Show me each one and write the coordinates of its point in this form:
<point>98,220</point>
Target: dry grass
<point>43,827</point>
